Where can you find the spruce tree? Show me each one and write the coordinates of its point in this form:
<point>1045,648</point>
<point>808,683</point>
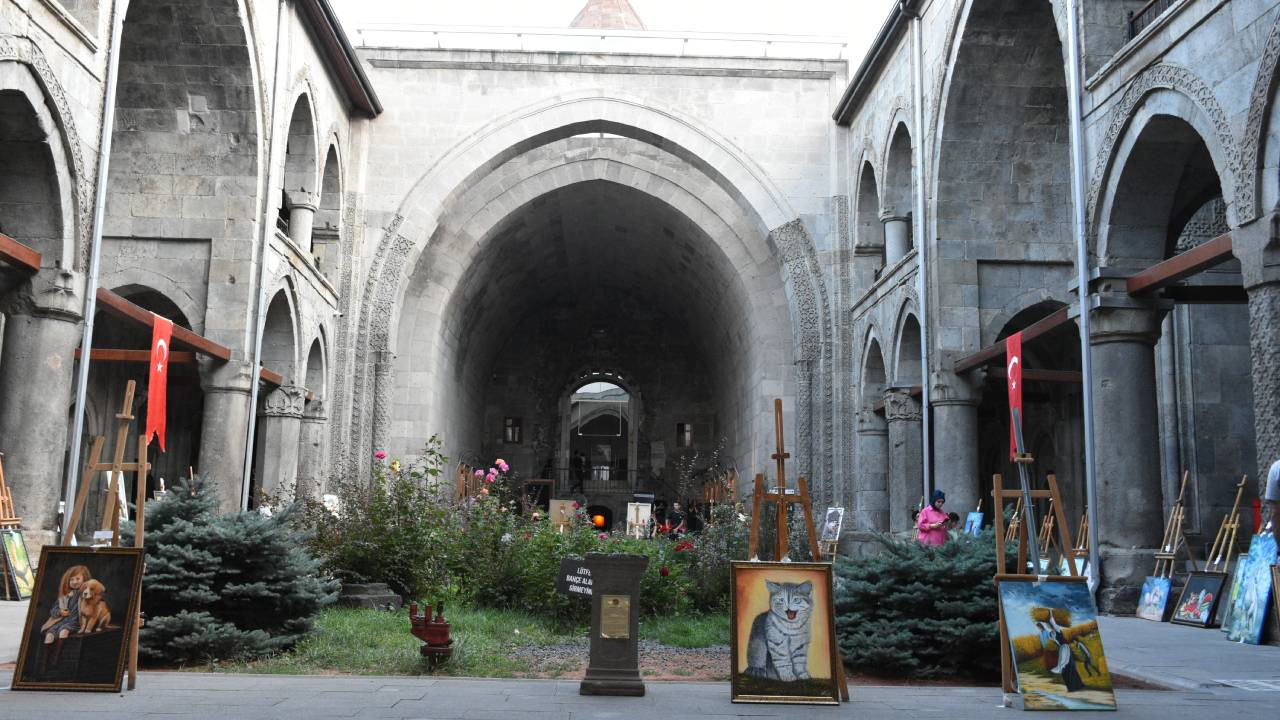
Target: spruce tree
<point>918,611</point>
<point>224,586</point>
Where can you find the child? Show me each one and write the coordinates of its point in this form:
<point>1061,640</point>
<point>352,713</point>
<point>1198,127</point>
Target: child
<point>64,616</point>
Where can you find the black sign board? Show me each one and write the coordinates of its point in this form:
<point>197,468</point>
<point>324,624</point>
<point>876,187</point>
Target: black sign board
<point>574,578</point>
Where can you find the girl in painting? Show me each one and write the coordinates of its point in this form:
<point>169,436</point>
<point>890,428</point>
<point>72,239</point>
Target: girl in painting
<point>1066,666</point>
<point>64,616</point>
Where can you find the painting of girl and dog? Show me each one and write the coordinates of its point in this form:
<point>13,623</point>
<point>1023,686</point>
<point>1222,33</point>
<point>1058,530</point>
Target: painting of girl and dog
<point>79,620</point>
<point>1056,648</point>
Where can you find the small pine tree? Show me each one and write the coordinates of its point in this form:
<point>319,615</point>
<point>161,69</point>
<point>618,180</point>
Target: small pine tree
<point>917,611</point>
<point>224,586</point>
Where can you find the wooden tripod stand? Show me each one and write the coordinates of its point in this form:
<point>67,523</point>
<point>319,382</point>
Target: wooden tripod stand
<point>112,512</point>
<point>1174,538</point>
<point>1225,543</point>
<point>784,500</point>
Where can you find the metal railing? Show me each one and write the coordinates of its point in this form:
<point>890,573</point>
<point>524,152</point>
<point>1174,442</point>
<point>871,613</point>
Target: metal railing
<point>473,37</point>
<point>1142,17</point>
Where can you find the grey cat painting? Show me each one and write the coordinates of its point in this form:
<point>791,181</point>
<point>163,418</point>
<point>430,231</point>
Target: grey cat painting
<point>783,639</point>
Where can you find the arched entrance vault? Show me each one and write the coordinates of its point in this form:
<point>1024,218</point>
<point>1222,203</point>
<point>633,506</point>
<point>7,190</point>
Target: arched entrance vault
<point>541,236</point>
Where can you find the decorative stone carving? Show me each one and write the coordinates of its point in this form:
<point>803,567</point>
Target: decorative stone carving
<point>1182,80</point>
<point>1264,348</point>
<point>870,424</point>
<point>284,401</point>
<point>899,406</point>
<point>1254,132</point>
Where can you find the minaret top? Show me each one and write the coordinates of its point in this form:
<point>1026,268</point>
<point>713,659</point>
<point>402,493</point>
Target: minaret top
<point>608,15</point>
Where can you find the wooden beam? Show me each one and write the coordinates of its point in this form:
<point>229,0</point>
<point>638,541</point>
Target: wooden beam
<point>1029,333</point>
<point>1036,375</point>
<point>15,253</point>
<point>271,378</point>
<point>121,307</point>
<point>177,357</point>
<point>1182,266</point>
<point>1207,294</point>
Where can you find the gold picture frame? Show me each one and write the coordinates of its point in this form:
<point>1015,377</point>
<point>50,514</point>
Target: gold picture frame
<point>764,593</point>
<point>80,619</point>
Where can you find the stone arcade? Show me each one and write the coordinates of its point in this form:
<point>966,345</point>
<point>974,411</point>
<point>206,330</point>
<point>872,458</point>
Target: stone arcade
<point>629,255</point>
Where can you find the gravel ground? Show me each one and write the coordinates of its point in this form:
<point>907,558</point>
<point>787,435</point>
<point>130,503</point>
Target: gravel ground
<point>657,661</point>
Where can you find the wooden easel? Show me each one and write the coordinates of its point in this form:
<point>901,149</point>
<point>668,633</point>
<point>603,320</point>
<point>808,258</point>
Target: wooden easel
<point>1174,537</point>
<point>1045,536</point>
<point>8,520</point>
<point>112,511</point>
<point>1225,543</point>
<point>1015,522</point>
<point>783,501</point>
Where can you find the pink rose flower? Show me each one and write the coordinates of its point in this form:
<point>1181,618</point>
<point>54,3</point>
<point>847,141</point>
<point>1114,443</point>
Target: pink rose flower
<point>381,455</point>
<point>503,466</point>
<point>499,462</point>
<point>604,536</point>
<point>489,479</point>
<point>576,505</point>
<point>479,473</point>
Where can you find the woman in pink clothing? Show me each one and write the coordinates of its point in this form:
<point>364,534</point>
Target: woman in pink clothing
<point>932,522</point>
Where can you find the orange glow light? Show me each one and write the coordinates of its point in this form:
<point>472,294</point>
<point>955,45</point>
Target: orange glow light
<point>597,520</point>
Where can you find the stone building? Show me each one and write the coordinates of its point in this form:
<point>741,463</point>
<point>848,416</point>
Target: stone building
<point>538,251</point>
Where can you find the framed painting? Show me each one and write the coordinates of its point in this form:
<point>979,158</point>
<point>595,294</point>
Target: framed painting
<point>973,524</point>
<point>80,619</point>
<point>561,514</point>
<point>1275,590</point>
<point>17,566</point>
<point>1154,598</point>
<point>832,524</point>
<point>1251,593</point>
<point>638,517</point>
<point>1198,603</point>
<point>782,633</point>
<point>1057,652</point>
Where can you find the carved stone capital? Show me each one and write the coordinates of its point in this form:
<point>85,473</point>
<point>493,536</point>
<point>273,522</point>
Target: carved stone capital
<point>869,423</point>
<point>315,412</point>
<point>947,388</point>
<point>889,215</point>
<point>302,199</point>
<point>284,401</point>
<point>1125,325</point>
<point>228,377</point>
<point>899,406</point>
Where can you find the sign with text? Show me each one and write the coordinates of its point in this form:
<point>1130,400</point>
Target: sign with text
<point>574,578</point>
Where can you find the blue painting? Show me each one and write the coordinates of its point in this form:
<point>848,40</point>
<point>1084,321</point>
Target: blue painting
<point>1056,648</point>
<point>973,524</point>
<point>1251,591</point>
<point>1154,598</point>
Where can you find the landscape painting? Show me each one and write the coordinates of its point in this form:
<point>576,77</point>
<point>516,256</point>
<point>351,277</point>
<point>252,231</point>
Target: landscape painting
<point>16,564</point>
<point>1056,648</point>
<point>782,633</point>
<point>1198,603</point>
<point>1252,591</point>
<point>1154,598</point>
<point>79,619</point>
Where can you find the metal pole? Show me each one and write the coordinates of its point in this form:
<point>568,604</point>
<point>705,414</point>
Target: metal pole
<point>922,250</point>
<point>95,257</point>
<point>1028,510</point>
<point>268,227</point>
<point>1074,93</point>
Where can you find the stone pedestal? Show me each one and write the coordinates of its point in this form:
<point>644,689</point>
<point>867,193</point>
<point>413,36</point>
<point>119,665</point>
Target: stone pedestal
<point>955,442</point>
<point>36,389</point>
<point>312,469</point>
<point>223,432</point>
<point>1127,449</point>
<point>906,471</point>
<point>374,596</point>
<point>871,491</point>
<point>897,237</point>
<point>279,431</point>
<point>614,668</point>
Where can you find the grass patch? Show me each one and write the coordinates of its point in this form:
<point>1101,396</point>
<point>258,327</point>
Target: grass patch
<point>373,642</point>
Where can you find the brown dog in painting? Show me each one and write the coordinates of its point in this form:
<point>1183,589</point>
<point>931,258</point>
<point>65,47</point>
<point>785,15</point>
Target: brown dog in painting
<point>94,613</point>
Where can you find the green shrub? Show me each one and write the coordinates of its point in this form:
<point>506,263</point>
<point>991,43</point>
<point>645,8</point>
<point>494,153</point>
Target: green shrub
<point>916,611</point>
<point>239,585</point>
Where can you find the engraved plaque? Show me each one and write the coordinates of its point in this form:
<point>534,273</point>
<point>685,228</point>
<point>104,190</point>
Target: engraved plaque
<point>615,617</point>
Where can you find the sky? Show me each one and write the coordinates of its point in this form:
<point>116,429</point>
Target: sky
<point>856,21</point>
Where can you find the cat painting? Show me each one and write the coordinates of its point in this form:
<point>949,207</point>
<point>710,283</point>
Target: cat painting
<point>778,647</point>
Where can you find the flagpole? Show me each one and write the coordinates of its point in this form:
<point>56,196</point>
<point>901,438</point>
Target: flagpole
<point>95,257</point>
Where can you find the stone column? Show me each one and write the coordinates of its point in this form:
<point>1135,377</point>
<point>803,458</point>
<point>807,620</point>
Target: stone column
<point>312,468</point>
<point>223,434</point>
<point>302,217</point>
<point>383,389</point>
<point>1127,446</point>
<point>897,236</point>
<point>1258,247</point>
<point>955,441</point>
<point>37,390</point>
<point>906,475</point>
<point>280,429</point>
<point>871,491</point>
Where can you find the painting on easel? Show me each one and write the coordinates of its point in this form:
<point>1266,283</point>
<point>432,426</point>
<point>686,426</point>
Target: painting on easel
<point>1056,648</point>
<point>80,619</point>
<point>17,565</point>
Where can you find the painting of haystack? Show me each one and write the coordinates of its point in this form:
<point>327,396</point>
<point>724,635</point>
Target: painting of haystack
<point>1057,651</point>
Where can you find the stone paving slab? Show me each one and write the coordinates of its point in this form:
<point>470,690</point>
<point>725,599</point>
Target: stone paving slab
<point>13,614</point>
<point>190,696</point>
<point>1182,657</point>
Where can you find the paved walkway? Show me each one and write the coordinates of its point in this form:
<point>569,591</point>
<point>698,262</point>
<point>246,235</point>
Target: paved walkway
<point>1178,656</point>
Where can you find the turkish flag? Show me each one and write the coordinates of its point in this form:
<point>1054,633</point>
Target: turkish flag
<point>158,382</point>
<point>1013,364</point>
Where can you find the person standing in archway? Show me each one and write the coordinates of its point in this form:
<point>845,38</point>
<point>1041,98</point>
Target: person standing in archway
<point>932,521</point>
<point>579,472</point>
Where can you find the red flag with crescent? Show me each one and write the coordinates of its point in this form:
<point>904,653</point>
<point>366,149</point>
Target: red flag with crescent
<point>1013,366</point>
<point>158,382</point>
